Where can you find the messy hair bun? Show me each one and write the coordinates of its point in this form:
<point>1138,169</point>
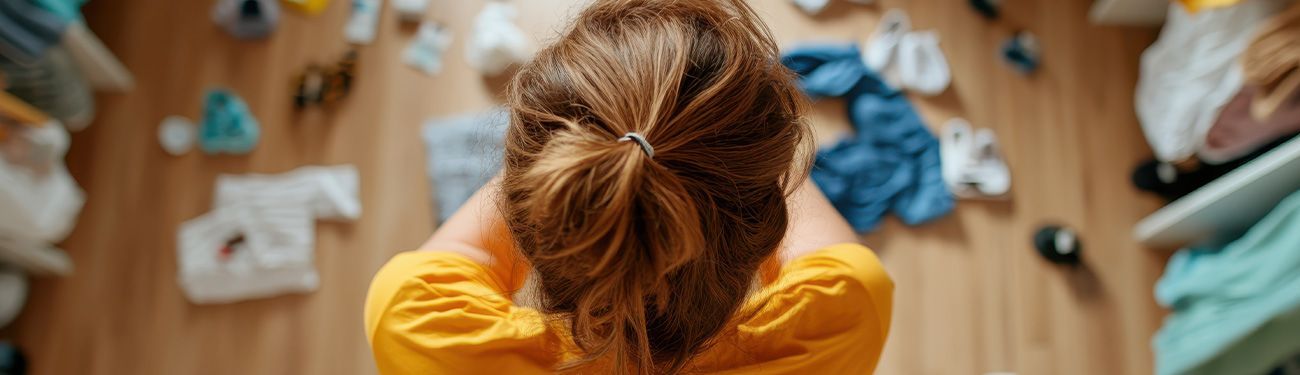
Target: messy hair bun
<point>645,260</point>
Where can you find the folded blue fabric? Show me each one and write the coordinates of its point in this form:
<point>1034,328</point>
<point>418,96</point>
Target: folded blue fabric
<point>1236,309</point>
<point>228,126</point>
<point>464,153</point>
<point>891,164</point>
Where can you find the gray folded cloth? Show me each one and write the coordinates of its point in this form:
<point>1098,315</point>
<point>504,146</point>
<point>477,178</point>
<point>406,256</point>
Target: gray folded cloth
<point>464,153</point>
<point>26,30</point>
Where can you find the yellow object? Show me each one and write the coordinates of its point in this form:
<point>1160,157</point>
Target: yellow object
<point>312,7</point>
<point>1194,6</point>
<point>21,112</point>
<point>431,312</point>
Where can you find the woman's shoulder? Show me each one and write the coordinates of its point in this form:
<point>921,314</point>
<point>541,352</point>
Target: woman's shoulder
<point>428,311</point>
<point>821,301</point>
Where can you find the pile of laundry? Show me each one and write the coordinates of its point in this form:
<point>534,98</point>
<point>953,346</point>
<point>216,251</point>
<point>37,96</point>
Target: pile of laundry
<point>892,162</point>
<point>1216,90</point>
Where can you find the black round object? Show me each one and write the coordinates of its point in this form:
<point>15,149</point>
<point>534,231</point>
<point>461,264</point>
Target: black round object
<point>987,8</point>
<point>1058,245</point>
<point>12,360</point>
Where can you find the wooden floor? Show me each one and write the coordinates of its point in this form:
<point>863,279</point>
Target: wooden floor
<point>972,296</point>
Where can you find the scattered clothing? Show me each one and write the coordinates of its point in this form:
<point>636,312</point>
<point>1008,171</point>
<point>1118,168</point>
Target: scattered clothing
<point>908,59</point>
<point>259,239</point>
<point>247,19</point>
<point>1272,63</point>
<point>1191,71</point>
<point>1236,309</point>
<point>38,197</point>
<point>68,10</point>
<point>363,24</point>
<point>228,126</point>
<point>437,312</point>
<point>464,153</point>
<point>892,162</point>
<point>411,10</point>
<point>496,43</point>
<point>26,30</point>
<point>427,49</point>
<point>54,85</point>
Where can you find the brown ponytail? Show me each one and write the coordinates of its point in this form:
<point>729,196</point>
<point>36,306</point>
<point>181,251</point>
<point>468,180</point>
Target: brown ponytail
<point>645,260</point>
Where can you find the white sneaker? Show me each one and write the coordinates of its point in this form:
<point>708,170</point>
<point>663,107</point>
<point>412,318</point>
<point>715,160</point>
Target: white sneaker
<point>922,68</point>
<point>881,50</point>
<point>954,153</point>
<point>989,172</point>
<point>971,162</point>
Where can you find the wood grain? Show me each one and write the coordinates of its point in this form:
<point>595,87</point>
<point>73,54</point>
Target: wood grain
<point>972,296</point>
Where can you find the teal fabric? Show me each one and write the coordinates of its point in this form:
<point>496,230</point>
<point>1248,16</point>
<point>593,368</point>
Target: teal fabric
<point>1236,310</point>
<point>228,126</point>
<point>68,10</point>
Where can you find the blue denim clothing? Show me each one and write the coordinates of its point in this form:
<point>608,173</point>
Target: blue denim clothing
<point>891,164</point>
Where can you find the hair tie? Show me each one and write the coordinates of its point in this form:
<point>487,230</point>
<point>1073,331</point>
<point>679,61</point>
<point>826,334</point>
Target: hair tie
<point>640,140</point>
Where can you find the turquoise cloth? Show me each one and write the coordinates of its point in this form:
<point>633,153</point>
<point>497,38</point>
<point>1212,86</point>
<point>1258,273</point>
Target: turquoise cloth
<point>228,126</point>
<point>68,10</point>
<point>1236,310</point>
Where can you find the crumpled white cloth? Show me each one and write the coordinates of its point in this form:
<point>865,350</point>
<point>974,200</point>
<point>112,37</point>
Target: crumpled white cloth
<point>496,42</point>
<point>1192,71</point>
<point>39,200</point>
<point>275,215</point>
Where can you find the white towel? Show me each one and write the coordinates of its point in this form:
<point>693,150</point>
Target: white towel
<point>275,217</point>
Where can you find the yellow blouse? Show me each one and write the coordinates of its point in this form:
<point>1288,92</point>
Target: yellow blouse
<point>431,312</point>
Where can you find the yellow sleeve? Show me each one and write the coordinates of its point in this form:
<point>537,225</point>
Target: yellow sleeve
<point>828,312</point>
<point>431,312</point>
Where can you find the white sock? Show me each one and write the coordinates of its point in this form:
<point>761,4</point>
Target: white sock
<point>426,51</point>
<point>811,7</point>
<point>496,42</point>
<point>275,217</point>
<point>364,21</point>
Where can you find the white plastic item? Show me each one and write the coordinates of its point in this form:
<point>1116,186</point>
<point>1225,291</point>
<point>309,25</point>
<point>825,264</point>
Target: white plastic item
<point>411,10</point>
<point>428,48</point>
<point>100,67</point>
<point>363,24</point>
<point>1192,71</point>
<point>176,134</point>
<point>922,67</point>
<point>496,42</point>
